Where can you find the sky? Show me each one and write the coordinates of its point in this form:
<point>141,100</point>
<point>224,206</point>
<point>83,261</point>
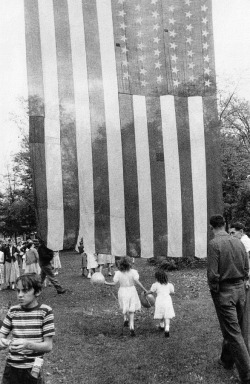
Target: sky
<point>232,59</point>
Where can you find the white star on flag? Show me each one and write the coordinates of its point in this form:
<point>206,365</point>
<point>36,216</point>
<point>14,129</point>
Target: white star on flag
<point>125,63</point>
<point>171,8</point>
<point>204,8</point>
<point>156,27</point>
<point>188,2</point>
<point>188,14</point>
<point>176,83</point>
<point>205,33</point>
<point>204,20</point>
<point>155,14</point>
<point>174,58</point>
<point>191,78</point>
<point>122,13</point>
<point>189,27</point>
<point>189,40</point>
<point>207,71</point>
<point>206,58</point>
<point>139,33</point>
<point>172,33</point>
<point>138,7</point>
<point>207,83</point>
<point>172,21</point>
<point>158,65</point>
<point>191,65</point>
<point>175,70</point>
<point>143,71</point>
<point>123,26</point>
<point>157,52</point>
<point>126,75</point>
<point>139,20</point>
<point>159,79</point>
<point>154,1</point>
<point>124,50</point>
<point>205,45</point>
<point>173,45</point>
<point>123,38</point>
<point>141,46</point>
<point>141,58</point>
<point>156,40</point>
<point>121,1</point>
<point>144,83</point>
<point>190,53</point>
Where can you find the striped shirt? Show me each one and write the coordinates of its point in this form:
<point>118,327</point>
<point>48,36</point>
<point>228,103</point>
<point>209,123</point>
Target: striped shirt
<point>33,324</point>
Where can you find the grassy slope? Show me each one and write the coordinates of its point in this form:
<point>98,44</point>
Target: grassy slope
<point>89,346</point>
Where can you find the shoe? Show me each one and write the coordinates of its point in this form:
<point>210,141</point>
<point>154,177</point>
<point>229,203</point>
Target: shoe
<point>125,324</point>
<point>89,276</point>
<point>62,291</point>
<point>132,332</point>
<point>167,334</point>
<point>225,366</point>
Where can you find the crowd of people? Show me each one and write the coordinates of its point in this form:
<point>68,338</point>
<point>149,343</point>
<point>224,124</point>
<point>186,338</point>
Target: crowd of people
<point>32,324</point>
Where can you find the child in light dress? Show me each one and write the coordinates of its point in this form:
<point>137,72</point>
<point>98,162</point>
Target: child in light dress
<point>164,310</point>
<point>91,263</point>
<point>127,294</point>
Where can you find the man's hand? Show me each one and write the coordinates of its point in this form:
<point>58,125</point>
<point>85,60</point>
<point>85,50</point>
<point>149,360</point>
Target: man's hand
<point>18,345</point>
<point>4,343</point>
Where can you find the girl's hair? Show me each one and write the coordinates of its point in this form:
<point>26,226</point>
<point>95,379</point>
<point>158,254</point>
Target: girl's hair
<point>30,243</point>
<point>161,276</point>
<point>124,264</point>
<point>29,281</point>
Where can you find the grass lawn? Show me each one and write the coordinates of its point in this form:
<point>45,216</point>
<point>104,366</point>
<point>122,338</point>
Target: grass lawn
<point>90,348</point>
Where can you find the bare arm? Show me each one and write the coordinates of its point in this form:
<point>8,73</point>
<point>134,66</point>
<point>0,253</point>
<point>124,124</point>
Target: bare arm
<point>140,285</point>
<point>4,342</point>
<point>109,283</point>
<point>45,346</point>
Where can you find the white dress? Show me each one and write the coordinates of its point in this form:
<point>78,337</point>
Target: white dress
<point>163,304</point>
<point>91,260</point>
<point>127,294</point>
<point>56,260</point>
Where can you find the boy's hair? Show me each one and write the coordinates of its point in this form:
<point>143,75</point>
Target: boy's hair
<point>124,264</point>
<point>217,221</point>
<point>29,281</point>
<point>161,276</point>
<point>238,226</point>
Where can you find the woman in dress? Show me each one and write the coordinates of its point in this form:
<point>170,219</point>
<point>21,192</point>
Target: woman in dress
<point>32,259</point>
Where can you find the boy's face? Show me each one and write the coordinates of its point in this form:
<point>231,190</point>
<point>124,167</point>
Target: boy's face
<point>27,299</point>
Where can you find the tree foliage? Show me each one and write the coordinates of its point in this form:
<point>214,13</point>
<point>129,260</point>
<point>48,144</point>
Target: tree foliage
<point>234,114</point>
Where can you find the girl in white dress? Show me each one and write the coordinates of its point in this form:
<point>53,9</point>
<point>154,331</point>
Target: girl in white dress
<point>164,310</point>
<point>127,294</point>
<point>56,262</point>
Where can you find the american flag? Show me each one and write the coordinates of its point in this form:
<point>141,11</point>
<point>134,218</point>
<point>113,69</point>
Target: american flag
<point>123,124</point>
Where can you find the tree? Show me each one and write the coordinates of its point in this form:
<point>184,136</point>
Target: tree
<point>17,208</point>
<point>234,114</point>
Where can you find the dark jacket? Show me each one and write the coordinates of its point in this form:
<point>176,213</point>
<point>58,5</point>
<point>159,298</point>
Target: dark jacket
<point>9,255</point>
<point>45,254</point>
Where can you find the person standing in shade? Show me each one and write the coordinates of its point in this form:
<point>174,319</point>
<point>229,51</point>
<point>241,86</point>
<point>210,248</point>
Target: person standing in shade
<point>237,229</point>
<point>11,264</point>
<point>45,258</point>
<point>227,272</point>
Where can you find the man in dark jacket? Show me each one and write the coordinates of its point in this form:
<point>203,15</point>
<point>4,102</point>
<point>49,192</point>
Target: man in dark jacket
<point>45,258</point>
<point>227,272</point>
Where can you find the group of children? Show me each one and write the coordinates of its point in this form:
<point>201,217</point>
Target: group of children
<point>32,324</point>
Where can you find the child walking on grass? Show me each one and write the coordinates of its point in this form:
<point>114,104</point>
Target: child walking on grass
<point>32,329</point>
<point>127,294</point>
<point>164,310</point>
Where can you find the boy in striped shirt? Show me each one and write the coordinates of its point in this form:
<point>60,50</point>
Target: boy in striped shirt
<point>32,329</point>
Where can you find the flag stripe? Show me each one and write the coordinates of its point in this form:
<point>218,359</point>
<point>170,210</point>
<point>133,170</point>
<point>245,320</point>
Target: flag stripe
<point>98,129</point>
<point>111,103</point>
<point>213,168</point>
<point>67,123</point>
<point>36,113</point>
<point>83,126</point>
<point>157,171</point>
<point>181,110</point>
<point>52,127</point>
<point>172,172</point>
<point>144,177</point>
<point>130,175</point>
<point>198,163</point>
